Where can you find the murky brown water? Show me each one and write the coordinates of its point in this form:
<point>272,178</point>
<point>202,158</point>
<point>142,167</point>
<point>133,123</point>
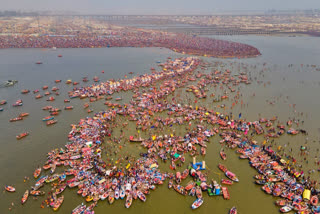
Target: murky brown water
<point>20,158</point>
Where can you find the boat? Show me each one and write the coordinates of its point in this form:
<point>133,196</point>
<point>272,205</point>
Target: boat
<point>286,209</point>
<point>22,135</point>
<point>10,188</point>
<point>2,102</point>
<point>66,101</point>
<point>141,196</point>
<point>89,110</point>
<point>89,198</point>
<point>39,96</point>
<point>57,81</point>
<point>222,168</point>
<point>10,83</point>
<point>25,91</point>
<point>111,197</point>
<point>117,193</point>
<point>23,114</point>
<point>223,155</point>
<point>1,109</point>
<point>16,119</point>
<point>128,201</point>
<point>170,183</point>
<point>68,107</point>
<point>25,197</point>
<point>51,122</point>
<point>51,99</point>
<point>122,193</point>
<point>79,209</point>
<point>225,193</point>
<point>38,62</point>
<point>197,203</point>
<point>227,182</point>
<point>47,118</point>
<point>36,192</point>
<point>17,104</point>
<point>233,210</point>
<point>58,203</point>
<point>231,176</point>
<point>198,192</point>
<point>68,81</point>
<point>179,189</point>
<point>37,172</point>
<point>59,55</point>
<point>104,196</point>
<point>47,108</point>
<point>135,140</point>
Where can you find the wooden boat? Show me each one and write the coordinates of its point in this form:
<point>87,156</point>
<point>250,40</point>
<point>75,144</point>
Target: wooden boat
<point>111,197</point>
<point>197,203</point>
<point>68,81</point>
<point>17,104</point>
<point>47,118</point>
<point>286,209</point>
<point>89,110</point>
<point>51,99</point>
<point>231,176</point>
<point>104,196</point>
<point>47,108</point>
<point>2,102</point>
<point>37,172</point>
<point>54,113</point>
<point>170,183</point>
<point>198,192</point>
<point>225,193</point>
<point>68,107</point>
<point>223,155</point>
<point>36,192</point>
<point>39,96</point>
<point>25,91</point>
<point>39,63</point>
<point>79,209</point>
<point>141,196</point>
<point>122,193</point>
<point>128,201</point>
<point>227,182</point>
<point>23,114</point>
<point>45,87</point>
<point>25,197</point>
<point>10,188</point>
<point>66,101</point>
<point>222,168</point>
<point>22,135</point>
<point>58,203</point>
<point>233,210</point>
<point>51,122</point>
<point>57,81</point>
<point>16,119</point>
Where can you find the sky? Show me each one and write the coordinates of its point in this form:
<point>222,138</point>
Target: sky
<point>158,6</point>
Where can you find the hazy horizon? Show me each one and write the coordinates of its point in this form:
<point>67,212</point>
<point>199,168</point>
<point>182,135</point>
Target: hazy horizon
<point>150,7</point>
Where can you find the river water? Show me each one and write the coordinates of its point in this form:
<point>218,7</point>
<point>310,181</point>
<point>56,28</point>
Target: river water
<point>298,84</point>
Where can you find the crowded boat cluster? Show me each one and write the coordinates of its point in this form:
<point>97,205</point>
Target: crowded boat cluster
<point>154,107</point>
<point>73,35</point>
